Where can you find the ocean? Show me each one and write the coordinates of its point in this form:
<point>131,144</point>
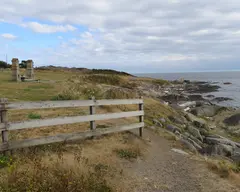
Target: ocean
<point>219,78</point>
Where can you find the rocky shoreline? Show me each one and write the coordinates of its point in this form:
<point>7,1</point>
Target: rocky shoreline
<point>203,125</point>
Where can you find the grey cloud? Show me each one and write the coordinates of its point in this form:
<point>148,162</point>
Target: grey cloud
<point>143,33</point>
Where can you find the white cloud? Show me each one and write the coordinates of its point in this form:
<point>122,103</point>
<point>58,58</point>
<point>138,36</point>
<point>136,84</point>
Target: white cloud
<point>44,28</point>
<point>8,36</point>
<point>133,33</point>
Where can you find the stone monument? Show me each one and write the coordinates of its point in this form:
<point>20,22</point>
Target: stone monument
<point>15,70</point>
<point>30,70</point>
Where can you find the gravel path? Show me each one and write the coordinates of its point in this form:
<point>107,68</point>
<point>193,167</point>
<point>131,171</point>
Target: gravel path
<point>163,170</point>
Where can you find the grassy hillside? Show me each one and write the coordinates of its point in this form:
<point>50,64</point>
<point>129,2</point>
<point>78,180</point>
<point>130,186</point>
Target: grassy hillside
<point>84,166</point>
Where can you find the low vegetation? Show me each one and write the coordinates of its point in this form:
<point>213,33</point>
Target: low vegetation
<point>224,168</point>
<point>34,116</point>
<point>130,153</point>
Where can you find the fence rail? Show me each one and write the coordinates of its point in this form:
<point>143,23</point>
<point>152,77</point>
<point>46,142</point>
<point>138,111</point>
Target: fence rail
<point>6,127</point>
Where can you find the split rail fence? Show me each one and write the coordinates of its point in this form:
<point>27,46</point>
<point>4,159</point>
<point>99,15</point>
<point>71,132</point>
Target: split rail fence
<point>6,127</point>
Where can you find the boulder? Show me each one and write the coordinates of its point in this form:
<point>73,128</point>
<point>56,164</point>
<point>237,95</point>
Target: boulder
<point>173,128</point>
<point>215,141</point>
<point>198,147</point>
<point>219,149</point>
<point>188,145</point>
<point>199,122</point>
<point>178,120</point>
<point>162,120</point>
<point>157,123</point>
<point>233,120</point>
<point>221,99</point>
<point>195,132</point>
<point>206,110</point>
<point>236,155</point>
<point>196,140</point>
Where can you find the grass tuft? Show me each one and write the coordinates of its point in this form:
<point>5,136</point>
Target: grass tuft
<point>34,116</point>
<point>129,153</point>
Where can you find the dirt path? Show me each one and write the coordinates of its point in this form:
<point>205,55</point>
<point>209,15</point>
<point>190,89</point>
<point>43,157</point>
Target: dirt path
<point>165,170</point>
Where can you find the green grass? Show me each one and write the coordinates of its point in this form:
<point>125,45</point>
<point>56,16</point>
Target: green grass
<point>4,161</point>
<point>128,153</point>
<point>34,116</point>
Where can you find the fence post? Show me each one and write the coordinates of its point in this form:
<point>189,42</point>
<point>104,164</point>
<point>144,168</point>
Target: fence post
<point>4,120</point>
<point>92,112</point>
<point>141,118</point>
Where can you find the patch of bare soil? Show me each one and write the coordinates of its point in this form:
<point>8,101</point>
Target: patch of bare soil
<point>164,170</point>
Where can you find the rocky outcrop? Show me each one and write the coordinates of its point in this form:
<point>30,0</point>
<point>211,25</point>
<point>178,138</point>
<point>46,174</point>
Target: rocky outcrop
<point>173,128</point>
<point>206,110</point>
<point>195,132</point>
<point>234,120</point>
<point>188,145</point>
<point>199,122</point>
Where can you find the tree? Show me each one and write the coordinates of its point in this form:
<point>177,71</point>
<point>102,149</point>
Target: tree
<point>3,64</point>
<point>23,64</point>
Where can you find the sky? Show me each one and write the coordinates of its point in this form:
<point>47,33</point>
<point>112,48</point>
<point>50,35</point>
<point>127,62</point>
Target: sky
<point>137,36</point>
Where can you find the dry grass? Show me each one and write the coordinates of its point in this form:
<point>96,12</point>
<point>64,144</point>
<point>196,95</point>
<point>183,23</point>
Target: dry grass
<point>84,166</point>
<point>223,167</point>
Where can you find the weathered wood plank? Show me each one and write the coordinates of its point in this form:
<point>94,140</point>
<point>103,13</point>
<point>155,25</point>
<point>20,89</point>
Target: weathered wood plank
<point>71,120</point>
<point>73,103</point>
<point>92,112</point>
<point>66,137</point>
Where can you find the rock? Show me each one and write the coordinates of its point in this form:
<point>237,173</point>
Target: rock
<point>210,96</point>
<point>157,123</point>
<point>188,104</point>
<point>196,98</point>
<point>178,120</point>
<point>188,145</point>
<point>219,149</point>
<point>196,120</point>
<point>234,120</point>
<point>236,155</point>
<point>204,132</point>
<point>227,149</point>
<point>162,120</point>
<point>195,132</point>
<point>214,141</point>
<point>221,99</point>
<point>224,138</point>
<point>173,128</point>
<point>179,151</point>
<point>196,140</point>
<point>206,110</point>
<point>198,147</point>
<point>227,83</point>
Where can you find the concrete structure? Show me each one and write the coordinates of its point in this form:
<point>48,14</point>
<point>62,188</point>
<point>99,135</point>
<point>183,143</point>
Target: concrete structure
<point>15,70</point>
<point>30,70</point>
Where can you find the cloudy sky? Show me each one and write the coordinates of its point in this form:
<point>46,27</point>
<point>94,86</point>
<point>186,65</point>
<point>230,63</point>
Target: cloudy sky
<point>129,35</point>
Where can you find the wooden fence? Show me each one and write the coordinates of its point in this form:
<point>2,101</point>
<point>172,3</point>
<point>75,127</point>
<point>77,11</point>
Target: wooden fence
<point>6,126</point>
